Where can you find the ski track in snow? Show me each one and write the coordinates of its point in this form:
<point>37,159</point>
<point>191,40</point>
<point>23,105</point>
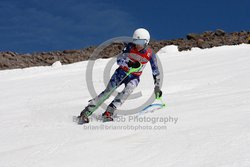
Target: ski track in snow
<point>207,90</point>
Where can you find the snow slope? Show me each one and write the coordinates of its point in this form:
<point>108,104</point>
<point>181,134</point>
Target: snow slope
<point>207,116</point>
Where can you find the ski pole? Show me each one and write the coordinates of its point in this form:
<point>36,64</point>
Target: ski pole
<point>160,99</point>
<point>163,104</point>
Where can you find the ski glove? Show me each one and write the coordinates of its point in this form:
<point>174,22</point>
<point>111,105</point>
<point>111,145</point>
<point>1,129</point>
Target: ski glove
<point>135,64</point>
<point>158,92</point>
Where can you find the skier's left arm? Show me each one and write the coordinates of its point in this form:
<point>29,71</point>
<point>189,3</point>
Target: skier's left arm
<point>156,75</point>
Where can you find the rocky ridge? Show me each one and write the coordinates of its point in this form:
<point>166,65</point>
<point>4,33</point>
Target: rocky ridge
<point>208,39</point>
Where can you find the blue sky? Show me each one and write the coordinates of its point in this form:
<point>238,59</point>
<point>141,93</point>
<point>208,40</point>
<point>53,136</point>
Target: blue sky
<point>28,26</point>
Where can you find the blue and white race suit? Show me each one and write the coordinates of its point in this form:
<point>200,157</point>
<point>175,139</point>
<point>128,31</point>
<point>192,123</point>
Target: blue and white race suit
<point>129,53</point>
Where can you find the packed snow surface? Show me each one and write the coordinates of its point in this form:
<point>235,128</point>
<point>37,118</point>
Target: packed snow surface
<point>205,123</point>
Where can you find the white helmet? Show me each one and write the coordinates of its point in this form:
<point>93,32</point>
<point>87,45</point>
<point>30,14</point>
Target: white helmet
<point>141,36</point>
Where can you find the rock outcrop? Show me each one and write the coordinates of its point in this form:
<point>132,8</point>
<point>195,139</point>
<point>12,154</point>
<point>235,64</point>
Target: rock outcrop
<point>208,39</point>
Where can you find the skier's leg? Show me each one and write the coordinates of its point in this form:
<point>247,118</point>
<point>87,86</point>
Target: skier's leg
<point>114,82</point>
<point>87,111</point>
<point>100,98</point>
<point>121,97</point>
<point>116,78</point>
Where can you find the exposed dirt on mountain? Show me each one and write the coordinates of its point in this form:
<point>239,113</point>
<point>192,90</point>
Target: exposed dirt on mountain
<point>208,39</point>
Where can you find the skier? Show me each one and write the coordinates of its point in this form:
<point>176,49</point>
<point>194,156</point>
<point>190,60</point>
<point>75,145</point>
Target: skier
<point>131,61</point>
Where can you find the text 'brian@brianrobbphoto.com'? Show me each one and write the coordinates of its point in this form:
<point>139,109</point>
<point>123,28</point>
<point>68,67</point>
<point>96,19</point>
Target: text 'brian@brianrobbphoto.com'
<point>134,123</point>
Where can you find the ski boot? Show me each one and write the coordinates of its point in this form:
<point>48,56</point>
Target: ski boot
<point>83,118</point>
<point>107,116</point>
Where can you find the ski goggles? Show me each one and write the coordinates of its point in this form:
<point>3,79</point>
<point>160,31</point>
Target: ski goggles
<point>141,42</point>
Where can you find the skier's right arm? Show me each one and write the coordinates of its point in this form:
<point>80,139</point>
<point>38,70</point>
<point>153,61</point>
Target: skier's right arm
<point>122,58</point>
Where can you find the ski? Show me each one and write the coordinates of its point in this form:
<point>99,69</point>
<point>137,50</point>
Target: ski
<point>148,109</point>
